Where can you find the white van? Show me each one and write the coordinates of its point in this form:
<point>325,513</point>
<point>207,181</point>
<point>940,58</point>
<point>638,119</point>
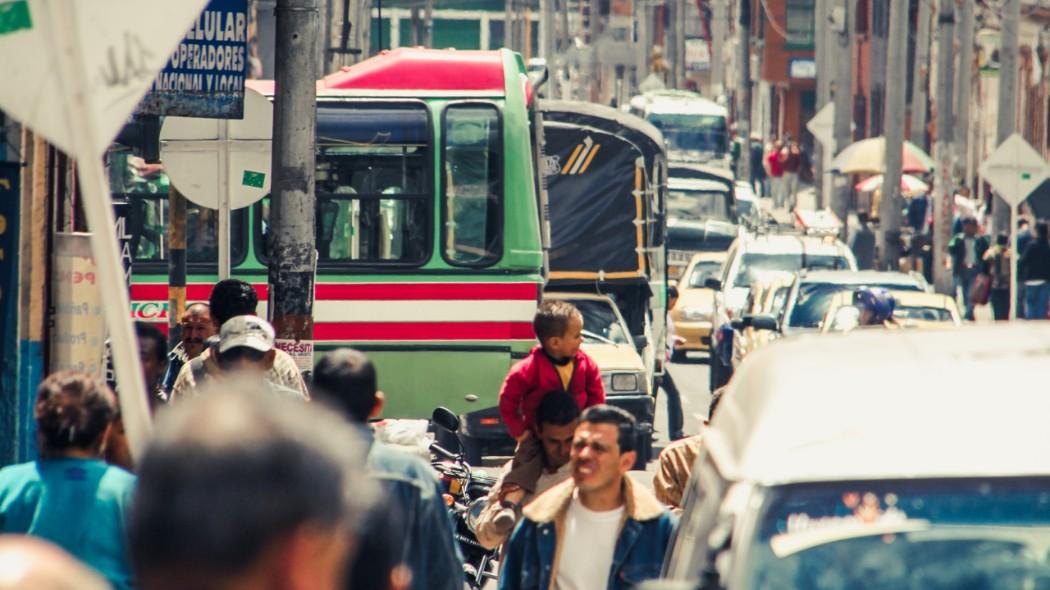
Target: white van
<point>878,459</point>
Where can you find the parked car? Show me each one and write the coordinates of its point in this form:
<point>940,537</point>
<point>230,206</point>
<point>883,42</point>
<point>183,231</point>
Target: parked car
<point>607,339</point>
<point>912,310</point>
<point>749,258</point>
<point>696,304</point>
<point>875,460</point>
<point>811,293</point>
<point>748,211</point>
<point>766,299</point>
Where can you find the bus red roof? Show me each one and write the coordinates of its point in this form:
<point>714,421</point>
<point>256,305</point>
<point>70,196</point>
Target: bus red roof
<point>425,70</point>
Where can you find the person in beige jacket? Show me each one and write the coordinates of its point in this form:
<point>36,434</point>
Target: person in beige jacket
<point>676,463</point>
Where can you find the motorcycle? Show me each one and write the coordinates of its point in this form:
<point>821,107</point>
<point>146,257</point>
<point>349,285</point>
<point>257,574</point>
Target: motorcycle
<point>466,491</point>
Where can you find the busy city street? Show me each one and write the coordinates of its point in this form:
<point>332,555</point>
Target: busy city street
<point>524,294</point>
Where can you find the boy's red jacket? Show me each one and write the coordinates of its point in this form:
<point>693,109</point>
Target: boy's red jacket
<point>533,376</point>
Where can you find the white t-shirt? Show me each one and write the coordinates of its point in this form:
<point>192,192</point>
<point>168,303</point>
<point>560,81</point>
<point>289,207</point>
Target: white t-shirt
<point>970,257</point>
<point>587,547</point>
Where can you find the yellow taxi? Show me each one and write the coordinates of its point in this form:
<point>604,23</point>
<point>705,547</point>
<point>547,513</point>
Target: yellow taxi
<point>913,309</point>
<point>692,314</point>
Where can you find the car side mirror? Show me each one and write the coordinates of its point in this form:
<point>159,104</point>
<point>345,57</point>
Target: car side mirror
<point>445,418</point>
<point>765,322</point>
<point>641,341</point>
<point>742,322</point>
<point>713,284</point>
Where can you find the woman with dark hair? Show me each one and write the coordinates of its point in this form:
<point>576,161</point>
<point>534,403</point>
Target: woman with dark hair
<point>70,496</point>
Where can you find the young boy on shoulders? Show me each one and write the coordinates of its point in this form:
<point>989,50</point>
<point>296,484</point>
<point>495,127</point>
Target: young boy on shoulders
<point>555,364</point>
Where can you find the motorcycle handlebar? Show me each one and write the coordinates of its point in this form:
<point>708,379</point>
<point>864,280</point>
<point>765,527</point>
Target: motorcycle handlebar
<point>443,452</point>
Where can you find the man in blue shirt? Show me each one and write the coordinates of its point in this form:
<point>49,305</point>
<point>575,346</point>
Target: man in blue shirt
<point>70,496</point>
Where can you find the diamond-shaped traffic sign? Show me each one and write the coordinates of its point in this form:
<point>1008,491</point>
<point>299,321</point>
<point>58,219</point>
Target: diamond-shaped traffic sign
<point>1015,169</point>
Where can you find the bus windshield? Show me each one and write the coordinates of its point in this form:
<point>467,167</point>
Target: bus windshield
<point>374,195</point>
<point>701,133</point>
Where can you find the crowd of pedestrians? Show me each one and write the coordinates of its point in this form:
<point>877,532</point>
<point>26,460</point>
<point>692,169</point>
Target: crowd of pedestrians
<point>251,480</point>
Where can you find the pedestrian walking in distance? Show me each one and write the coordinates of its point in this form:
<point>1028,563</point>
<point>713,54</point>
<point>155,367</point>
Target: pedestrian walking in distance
<point>1035,272</point>
<point>967,251</point>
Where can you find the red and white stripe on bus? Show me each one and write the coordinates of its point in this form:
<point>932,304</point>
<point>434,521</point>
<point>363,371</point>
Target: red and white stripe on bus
<point>370,312</point>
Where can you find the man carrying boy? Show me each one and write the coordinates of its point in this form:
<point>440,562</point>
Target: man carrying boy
<point>556,364</point>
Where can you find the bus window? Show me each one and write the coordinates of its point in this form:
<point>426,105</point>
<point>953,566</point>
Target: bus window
<point>373,196</point>
<point>145,189</point>
<point>472,183</point>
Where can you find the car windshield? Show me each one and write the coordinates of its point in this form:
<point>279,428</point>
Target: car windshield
<point>923,314</point>
<point>814,299</point>
<point>931,534</point>
<point>699,204</point>
<point>752,266</point>
<point>704,269</point>
<point>601,320</point>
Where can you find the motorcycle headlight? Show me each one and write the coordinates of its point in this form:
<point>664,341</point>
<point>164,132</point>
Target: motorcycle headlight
<point>621,382</point>
<point>693,313</point>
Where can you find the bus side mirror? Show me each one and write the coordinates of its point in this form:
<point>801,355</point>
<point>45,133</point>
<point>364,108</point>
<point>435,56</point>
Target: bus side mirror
<point>640,341</point>
<point>713,284</point>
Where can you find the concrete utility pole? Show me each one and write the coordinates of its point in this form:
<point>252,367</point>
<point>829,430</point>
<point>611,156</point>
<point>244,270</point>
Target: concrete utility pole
<point>292,213</point>
<point>428,23</point>
<point>893,121</point>
<point>176,264</point>
<point>943,200</point>
<point>416,16</point>
<point>842,58</point>
<point>964,85</point>
<point>1007,95</point>
<point>877,58</point>
<point>743,112</point>
<point>719,22</point>
<point>921,79</point>
<point>679,37</point>
<point>821,11</point>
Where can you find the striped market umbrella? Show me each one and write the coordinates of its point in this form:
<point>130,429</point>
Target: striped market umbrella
<point>910,185</point>
<point>868,156</point>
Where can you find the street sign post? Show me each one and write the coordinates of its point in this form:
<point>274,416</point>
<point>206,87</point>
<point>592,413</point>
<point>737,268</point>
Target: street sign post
<point>81,69</point>
<point>1014,170</point>
<point>221,164</point>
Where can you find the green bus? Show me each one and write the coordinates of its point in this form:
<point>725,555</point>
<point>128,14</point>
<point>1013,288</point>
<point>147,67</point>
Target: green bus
<point>430,251</point>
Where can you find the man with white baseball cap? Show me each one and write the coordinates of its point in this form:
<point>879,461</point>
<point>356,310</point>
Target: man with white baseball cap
<point>245,351</point>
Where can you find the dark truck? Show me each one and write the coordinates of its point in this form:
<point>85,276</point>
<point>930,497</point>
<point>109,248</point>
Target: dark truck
<point>605,172</point>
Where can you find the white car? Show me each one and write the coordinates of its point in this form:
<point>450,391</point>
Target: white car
<point>876,459</point>
<point>750,258</point>
<point>607,340</point>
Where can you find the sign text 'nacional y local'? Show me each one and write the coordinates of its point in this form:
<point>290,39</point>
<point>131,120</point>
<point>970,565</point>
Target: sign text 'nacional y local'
<point>204,76</point>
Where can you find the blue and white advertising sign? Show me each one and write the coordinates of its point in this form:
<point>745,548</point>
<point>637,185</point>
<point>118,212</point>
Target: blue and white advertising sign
<point>205,75</point>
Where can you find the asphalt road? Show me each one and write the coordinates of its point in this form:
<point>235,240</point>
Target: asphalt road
<point>691,378</point>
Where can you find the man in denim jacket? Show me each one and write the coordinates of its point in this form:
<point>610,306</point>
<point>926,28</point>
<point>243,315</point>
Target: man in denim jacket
<point>417,521</point>
<point>597,531</point>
